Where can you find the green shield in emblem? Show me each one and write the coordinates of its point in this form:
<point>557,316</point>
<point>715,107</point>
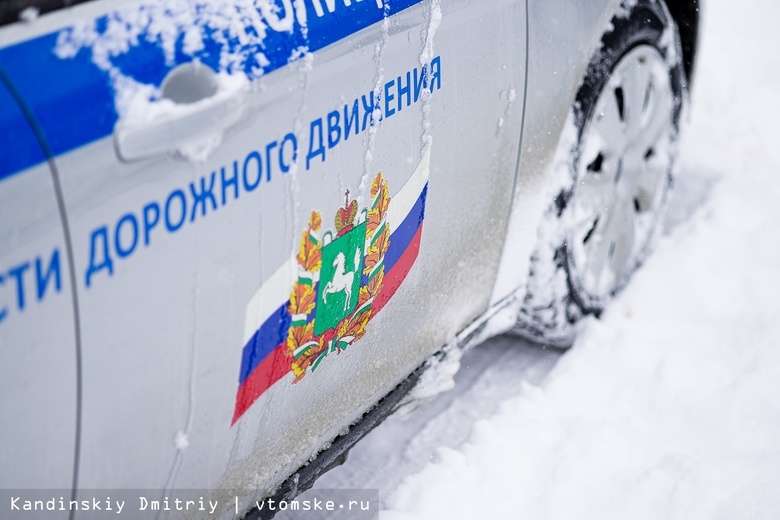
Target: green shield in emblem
<point>339,286</point>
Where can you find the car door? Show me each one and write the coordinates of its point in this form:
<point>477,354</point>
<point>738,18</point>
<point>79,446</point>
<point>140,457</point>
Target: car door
<point>216,160</point>
<point>38,357</point>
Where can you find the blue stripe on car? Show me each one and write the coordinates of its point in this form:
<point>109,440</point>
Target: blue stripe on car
<point>73,99</point>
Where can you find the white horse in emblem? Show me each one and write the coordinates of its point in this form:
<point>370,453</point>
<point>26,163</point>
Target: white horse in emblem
<point>342,280</point>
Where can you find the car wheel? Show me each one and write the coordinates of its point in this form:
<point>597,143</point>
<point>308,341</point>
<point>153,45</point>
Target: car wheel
<point>614,169</point>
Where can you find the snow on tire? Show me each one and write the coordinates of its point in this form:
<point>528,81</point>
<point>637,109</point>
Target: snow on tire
<point>614,167</point>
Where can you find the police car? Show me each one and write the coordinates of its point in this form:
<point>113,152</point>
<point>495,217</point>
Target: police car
<point>235,233</point>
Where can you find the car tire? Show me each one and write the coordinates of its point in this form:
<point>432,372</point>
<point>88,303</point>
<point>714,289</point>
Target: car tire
<point>613,171</point>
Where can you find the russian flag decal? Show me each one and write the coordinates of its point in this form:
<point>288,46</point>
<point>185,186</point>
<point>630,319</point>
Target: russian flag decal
<point>321,301</point>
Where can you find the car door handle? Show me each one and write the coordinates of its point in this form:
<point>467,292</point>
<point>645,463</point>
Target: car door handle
<point>195,109</point>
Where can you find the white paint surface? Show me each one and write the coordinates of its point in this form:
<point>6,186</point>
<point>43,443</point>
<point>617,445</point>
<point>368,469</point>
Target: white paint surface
<point>667,407</point>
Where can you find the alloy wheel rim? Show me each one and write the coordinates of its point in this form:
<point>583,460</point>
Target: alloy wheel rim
<point>622,172</point>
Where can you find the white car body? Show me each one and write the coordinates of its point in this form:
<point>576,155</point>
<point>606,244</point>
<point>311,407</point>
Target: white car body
<point>132,330</point>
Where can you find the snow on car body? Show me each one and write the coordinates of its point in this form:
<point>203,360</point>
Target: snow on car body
<point>230,228</point>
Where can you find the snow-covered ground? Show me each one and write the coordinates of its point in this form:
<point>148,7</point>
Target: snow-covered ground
<point>669,405</point>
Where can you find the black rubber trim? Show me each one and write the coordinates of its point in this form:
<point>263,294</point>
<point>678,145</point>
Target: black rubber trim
<point>334,455</point>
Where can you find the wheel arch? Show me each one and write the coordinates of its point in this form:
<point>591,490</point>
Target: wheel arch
<point>686,14</point>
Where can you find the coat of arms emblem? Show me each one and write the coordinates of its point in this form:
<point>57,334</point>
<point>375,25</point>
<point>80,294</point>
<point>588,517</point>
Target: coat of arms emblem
<point>344,271</point>
<point>340,273</point>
